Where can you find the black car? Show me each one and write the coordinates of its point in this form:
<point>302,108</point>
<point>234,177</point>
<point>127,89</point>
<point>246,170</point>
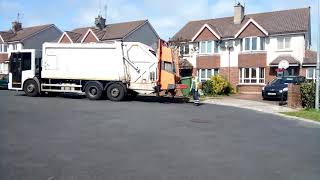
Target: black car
<point>278,87</point>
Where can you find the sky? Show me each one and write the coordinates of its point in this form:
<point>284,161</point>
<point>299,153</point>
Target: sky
<point>166,16</point>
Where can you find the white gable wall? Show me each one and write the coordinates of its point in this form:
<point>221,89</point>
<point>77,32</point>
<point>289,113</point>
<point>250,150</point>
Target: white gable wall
<point>297,48</point>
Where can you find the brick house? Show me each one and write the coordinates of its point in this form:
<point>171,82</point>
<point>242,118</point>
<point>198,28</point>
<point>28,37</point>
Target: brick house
<point>133,31</point>
<point>247,48</point>
<point>19,38</point>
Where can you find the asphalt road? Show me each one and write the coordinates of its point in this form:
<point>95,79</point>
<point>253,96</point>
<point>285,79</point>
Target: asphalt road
<point>63,138</point>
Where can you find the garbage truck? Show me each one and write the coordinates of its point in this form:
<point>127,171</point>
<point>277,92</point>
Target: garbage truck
<point>112,69</point>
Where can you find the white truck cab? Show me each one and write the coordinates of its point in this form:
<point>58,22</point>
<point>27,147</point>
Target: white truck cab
<point>23,65</point>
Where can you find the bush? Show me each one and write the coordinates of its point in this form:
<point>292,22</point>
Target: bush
<point>207,88</point>
<point>217,85</point>
<point>308,91</point>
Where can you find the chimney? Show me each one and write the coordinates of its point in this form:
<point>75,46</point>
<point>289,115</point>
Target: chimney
<point>16,26</point>
<point>238,13</point>
<point>100,22</point>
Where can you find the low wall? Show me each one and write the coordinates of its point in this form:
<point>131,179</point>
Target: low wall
<point>294,96</point>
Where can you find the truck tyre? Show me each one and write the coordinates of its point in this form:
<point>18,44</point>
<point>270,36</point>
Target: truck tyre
<point>93,91</point>
<point>31,89</point>
<point>115,92</point>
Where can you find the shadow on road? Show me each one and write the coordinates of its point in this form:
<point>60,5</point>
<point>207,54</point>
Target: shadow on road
<point>155,99</point>
<point>143,98</point>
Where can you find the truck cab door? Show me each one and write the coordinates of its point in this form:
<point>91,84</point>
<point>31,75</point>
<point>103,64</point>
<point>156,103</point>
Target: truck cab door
<point>19,64</point>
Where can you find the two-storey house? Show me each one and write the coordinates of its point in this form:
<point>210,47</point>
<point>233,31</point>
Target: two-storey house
<point>133,31</point>
<point>247,48</point>
<point>19,38</point>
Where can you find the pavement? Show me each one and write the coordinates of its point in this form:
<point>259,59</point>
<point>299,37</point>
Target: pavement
<point>262,106</point>
<point>72,138</point>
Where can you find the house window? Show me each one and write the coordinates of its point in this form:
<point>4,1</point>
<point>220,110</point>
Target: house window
<point>284,42</point>
<point>251,75</point>
<point>311,74</point>
<point>206,74</point>
<point>184,49</point>
<point>14,46</point>
<point>254,43</point>
<point>262,43</point>
<point>4,68</point>
<point>207,47</point>
<point>3,48</point>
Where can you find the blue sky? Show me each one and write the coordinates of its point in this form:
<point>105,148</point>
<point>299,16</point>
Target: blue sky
<point>167,16</point>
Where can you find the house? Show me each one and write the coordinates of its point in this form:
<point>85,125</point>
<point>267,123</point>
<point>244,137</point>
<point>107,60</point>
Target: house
<point>248,48</point>
<point>309,65</point>
<point>19,38</point>
<point>133,31</point>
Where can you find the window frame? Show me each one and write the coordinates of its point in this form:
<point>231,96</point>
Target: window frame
<point>214,71</point>
<point>183,46</point>
<point>3,48</point>
<point>284,43</point>
<point>258,44</point>
<point>313,75</point>
<point>214,47</point>
<point>250,80</point>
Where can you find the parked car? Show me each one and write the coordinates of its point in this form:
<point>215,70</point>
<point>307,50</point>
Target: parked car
<point>278,87</point>
<point>4,82</point>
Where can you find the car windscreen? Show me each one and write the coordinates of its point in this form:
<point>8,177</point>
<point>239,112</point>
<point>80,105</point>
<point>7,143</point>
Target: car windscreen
<point>276,81</point>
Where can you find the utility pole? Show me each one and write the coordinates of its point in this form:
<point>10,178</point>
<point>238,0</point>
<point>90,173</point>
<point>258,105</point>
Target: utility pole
<point>318,62</point>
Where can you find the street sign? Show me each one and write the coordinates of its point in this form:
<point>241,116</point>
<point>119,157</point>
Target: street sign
<point>283,64</point>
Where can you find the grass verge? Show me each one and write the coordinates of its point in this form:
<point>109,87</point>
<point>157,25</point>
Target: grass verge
<point>311,114</point>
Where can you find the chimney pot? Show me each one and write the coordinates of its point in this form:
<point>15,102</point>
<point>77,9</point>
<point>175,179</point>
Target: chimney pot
<point>238,13</point>
<point>100,22</point>
<point>16,26</point>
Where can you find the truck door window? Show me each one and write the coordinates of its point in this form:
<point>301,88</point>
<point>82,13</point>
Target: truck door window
<point>26,61</point>
<point>168,66</point>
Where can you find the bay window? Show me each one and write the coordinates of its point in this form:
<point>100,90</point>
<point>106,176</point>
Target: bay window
<point>206,74</point>
<point>311,74</point>
<point>284,42</point>
<point>252,75</point>
<point>254,43</point>
<point>209,47</point>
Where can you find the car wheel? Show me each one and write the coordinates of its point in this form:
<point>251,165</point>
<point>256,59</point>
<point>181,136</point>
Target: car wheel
<point>115,92</point>
<point>31,88</point>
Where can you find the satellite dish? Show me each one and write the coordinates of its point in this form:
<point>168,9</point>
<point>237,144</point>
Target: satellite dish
<point>283,64</point>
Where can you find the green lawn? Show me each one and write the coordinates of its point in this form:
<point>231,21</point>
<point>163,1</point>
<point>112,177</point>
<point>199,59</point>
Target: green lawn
<point>307,114</point>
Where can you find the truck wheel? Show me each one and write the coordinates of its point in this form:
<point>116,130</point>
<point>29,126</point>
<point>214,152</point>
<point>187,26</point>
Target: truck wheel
<point>115,92</point>
<point>94,91</point>
<point>31,88</point>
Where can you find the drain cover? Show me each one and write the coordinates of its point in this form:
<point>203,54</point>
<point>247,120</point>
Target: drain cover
<point>200,121</point>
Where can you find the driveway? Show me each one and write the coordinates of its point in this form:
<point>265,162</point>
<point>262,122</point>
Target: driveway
<point>76,139</point>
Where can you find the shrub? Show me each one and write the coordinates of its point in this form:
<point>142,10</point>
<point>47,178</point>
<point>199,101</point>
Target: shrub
<point>208,88</point>
<point>217,85</point>
<point>308,91</point>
